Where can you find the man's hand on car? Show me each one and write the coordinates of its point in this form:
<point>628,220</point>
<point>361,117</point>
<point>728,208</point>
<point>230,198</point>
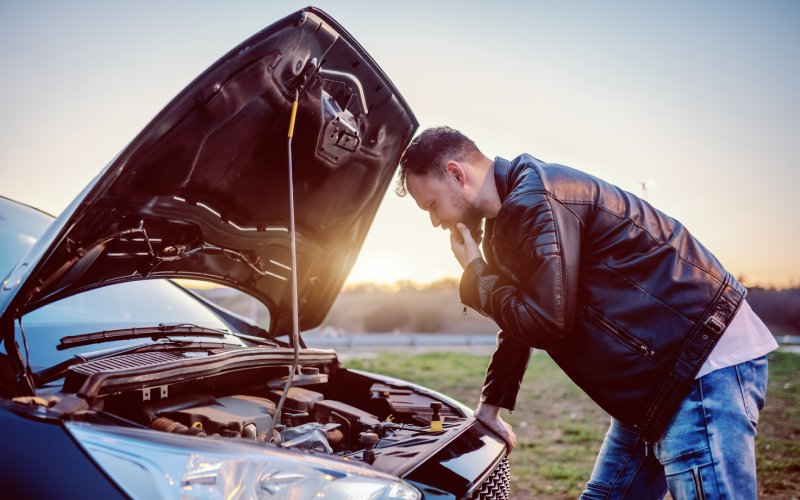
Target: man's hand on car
<point>489,415</point>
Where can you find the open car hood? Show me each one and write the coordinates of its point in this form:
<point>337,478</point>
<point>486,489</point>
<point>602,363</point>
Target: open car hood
<point>202,192</point>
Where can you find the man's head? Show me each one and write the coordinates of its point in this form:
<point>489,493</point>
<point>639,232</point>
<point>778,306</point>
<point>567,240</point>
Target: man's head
<point>429,152</point>
<point>443,171</point>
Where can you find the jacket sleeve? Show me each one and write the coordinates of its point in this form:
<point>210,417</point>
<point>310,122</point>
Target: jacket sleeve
<point>534,301</point>
<point>505,372</point>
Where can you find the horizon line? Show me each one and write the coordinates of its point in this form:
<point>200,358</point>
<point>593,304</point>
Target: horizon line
<point>409,282</point>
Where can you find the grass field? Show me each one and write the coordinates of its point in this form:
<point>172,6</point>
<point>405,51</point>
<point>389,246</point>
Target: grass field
<point>559,429</point>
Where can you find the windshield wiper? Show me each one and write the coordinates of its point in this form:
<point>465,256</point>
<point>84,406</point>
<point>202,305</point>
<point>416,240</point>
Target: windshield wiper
<point>157,332</point>
<point>243,336</point>
<point>153,332</point>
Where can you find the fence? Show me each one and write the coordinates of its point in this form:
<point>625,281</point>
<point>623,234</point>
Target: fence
<point>417,341</point>
<point>414,341</point>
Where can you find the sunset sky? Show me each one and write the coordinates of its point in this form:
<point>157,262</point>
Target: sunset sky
<point>697,100</point>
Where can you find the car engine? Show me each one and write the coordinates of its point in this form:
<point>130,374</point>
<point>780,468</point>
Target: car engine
<point>310,422</point>
<point>328,410</point>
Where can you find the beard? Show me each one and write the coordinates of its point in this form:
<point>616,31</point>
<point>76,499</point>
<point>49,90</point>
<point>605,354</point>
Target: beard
<point>475,224</point>
<point>470,216</point>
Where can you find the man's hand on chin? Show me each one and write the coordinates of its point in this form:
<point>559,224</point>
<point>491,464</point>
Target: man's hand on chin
<point>463,245</point>
<point>489,415</point>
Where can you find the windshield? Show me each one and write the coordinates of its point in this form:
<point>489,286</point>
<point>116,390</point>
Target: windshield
<point>125,305</point>
<point>135,304</point>
<point>20,227</point>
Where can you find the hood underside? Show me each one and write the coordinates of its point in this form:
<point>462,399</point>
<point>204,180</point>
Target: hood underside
<point>203,191</point>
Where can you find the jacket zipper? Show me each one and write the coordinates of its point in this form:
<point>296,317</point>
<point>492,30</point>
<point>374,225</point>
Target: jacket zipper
<point>621,335</point>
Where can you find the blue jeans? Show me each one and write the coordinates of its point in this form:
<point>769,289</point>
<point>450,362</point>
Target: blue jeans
<point>708,450</point>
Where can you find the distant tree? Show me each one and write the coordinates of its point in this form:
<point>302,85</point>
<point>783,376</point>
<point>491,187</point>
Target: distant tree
<point>386,318</point>
<point>444,284</point>
<point>362,287</point>
<point>779,309</point>
<point>427,321</point>
<point>406,285</point>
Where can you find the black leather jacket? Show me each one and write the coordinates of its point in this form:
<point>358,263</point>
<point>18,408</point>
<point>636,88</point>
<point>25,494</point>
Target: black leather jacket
<point>621,296</point>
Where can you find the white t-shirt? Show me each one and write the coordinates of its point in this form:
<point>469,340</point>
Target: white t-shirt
<point>746,338</point>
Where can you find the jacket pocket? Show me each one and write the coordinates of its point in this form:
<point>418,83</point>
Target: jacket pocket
<point>625,338</point>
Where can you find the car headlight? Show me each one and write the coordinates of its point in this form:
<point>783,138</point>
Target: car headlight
<point>148,464</point>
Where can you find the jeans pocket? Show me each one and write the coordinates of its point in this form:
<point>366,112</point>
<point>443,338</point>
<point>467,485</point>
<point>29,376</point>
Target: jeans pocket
<point>691,476</point>
<point>752,377</point>
<point>692,484</point>
<point>596,490</point>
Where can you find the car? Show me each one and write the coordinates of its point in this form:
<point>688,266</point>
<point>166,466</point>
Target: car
<point>118,381</point>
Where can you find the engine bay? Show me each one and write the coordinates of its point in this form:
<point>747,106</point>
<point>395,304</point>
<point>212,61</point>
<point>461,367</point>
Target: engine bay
<point>309,421</point>
<point>327,410</point>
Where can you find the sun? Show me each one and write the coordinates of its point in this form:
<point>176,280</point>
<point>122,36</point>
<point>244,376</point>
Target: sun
<point>375,270</point>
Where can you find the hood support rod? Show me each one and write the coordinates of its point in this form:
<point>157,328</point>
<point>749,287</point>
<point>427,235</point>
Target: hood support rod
<point>295,314</point>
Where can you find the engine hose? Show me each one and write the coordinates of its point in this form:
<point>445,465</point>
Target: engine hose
<point>167,425</point>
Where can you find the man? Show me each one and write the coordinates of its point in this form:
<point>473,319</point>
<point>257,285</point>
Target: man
<point>629,304</point>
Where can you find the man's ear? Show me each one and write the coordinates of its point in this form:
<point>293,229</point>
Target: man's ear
<point>456,170</point>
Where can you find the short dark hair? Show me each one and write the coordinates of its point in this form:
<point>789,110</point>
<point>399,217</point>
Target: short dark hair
<point>428,152</point>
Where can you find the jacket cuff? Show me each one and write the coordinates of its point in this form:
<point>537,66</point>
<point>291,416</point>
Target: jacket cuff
<point>469,287</point>
<point>505,401</point>
<point>505,372</point>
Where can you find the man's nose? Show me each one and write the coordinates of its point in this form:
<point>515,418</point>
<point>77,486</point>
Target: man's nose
<point>435,221</point>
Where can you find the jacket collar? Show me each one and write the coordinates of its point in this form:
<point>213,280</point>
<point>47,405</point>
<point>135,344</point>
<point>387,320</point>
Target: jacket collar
<point>501,171</point>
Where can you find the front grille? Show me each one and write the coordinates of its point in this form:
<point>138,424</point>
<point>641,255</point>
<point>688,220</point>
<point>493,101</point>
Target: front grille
<point>496,485</point>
